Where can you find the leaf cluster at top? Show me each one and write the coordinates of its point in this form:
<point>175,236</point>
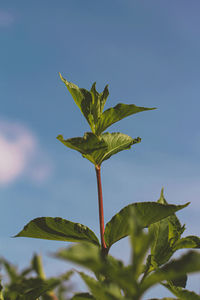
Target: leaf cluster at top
<point>97,146</point>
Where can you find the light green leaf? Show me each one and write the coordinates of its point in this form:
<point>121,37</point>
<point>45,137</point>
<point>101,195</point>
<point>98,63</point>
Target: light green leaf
<point>97,149</point>
<point>84,254</point>
<point>147,212</point>
<point>165,233</point>
<point>189,263</point>
<point>58,229</point>
<point>91,103</point>
<point>181,293</point>
<point>117,113</point>
<point>190,241</point>
<point>82,296</point>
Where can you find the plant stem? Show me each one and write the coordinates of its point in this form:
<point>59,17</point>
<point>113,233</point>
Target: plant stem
<point>101,216</point>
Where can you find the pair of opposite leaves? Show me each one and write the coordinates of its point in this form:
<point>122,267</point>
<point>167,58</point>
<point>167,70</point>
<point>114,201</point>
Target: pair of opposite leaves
<point>97,146</point>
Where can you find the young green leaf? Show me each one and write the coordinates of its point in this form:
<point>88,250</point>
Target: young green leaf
<point>97,149</point>
<point>181,293</point>
<point>90,103</point>
<point>188,263</point>
<point>58,229</point>
<point>117,113</point>
<point>147,212</point>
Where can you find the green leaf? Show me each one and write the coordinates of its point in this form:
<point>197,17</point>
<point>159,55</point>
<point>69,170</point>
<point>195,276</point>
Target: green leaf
<point>189,263</point>
<point>90,103</point>
<point>58,229</point>
<point>82,296</point>
<point>117,113</point>
<point>190,241</point>
<point>165,233</point>
<point>147,212</point>
<point>181,293</point>
<point>180,281</point>
<point>84,254</point>
<point>97,149</point>
<point>100,290</point>
<point>90,257</point>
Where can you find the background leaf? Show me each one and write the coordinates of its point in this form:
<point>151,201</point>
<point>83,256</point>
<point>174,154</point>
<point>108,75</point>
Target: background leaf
<point>147,212</point>
<point>58,229</point>
<point>117,113</point>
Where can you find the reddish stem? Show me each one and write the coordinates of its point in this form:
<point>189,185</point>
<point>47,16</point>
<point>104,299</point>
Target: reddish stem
<point>100,199</point>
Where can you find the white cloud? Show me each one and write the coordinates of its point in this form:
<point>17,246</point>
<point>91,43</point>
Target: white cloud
<point>6,19</point>
<point>20,154</point>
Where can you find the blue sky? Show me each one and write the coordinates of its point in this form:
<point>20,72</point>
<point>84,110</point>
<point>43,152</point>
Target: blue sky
<point>148,53</point>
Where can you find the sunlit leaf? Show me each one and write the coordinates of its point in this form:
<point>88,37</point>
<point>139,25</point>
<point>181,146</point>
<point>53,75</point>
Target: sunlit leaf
<point>97,149</point>
<point>58,229</point>
<point>117,113</point>
<point>147,212</point>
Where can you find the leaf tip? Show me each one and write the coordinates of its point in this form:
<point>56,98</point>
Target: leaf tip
<point>60,137</point>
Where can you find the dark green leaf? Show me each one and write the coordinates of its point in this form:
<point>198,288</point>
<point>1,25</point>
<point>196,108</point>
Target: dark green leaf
<point>147,212</point>
<point>58,229</point>
<point>117,113</point>
<point>180,281</point>
<point>181,293</point>
<point>190,241</point>
<point>91,103</point>
<point>82,296</point>
<point>97,149</point>
<point>189,263</point>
